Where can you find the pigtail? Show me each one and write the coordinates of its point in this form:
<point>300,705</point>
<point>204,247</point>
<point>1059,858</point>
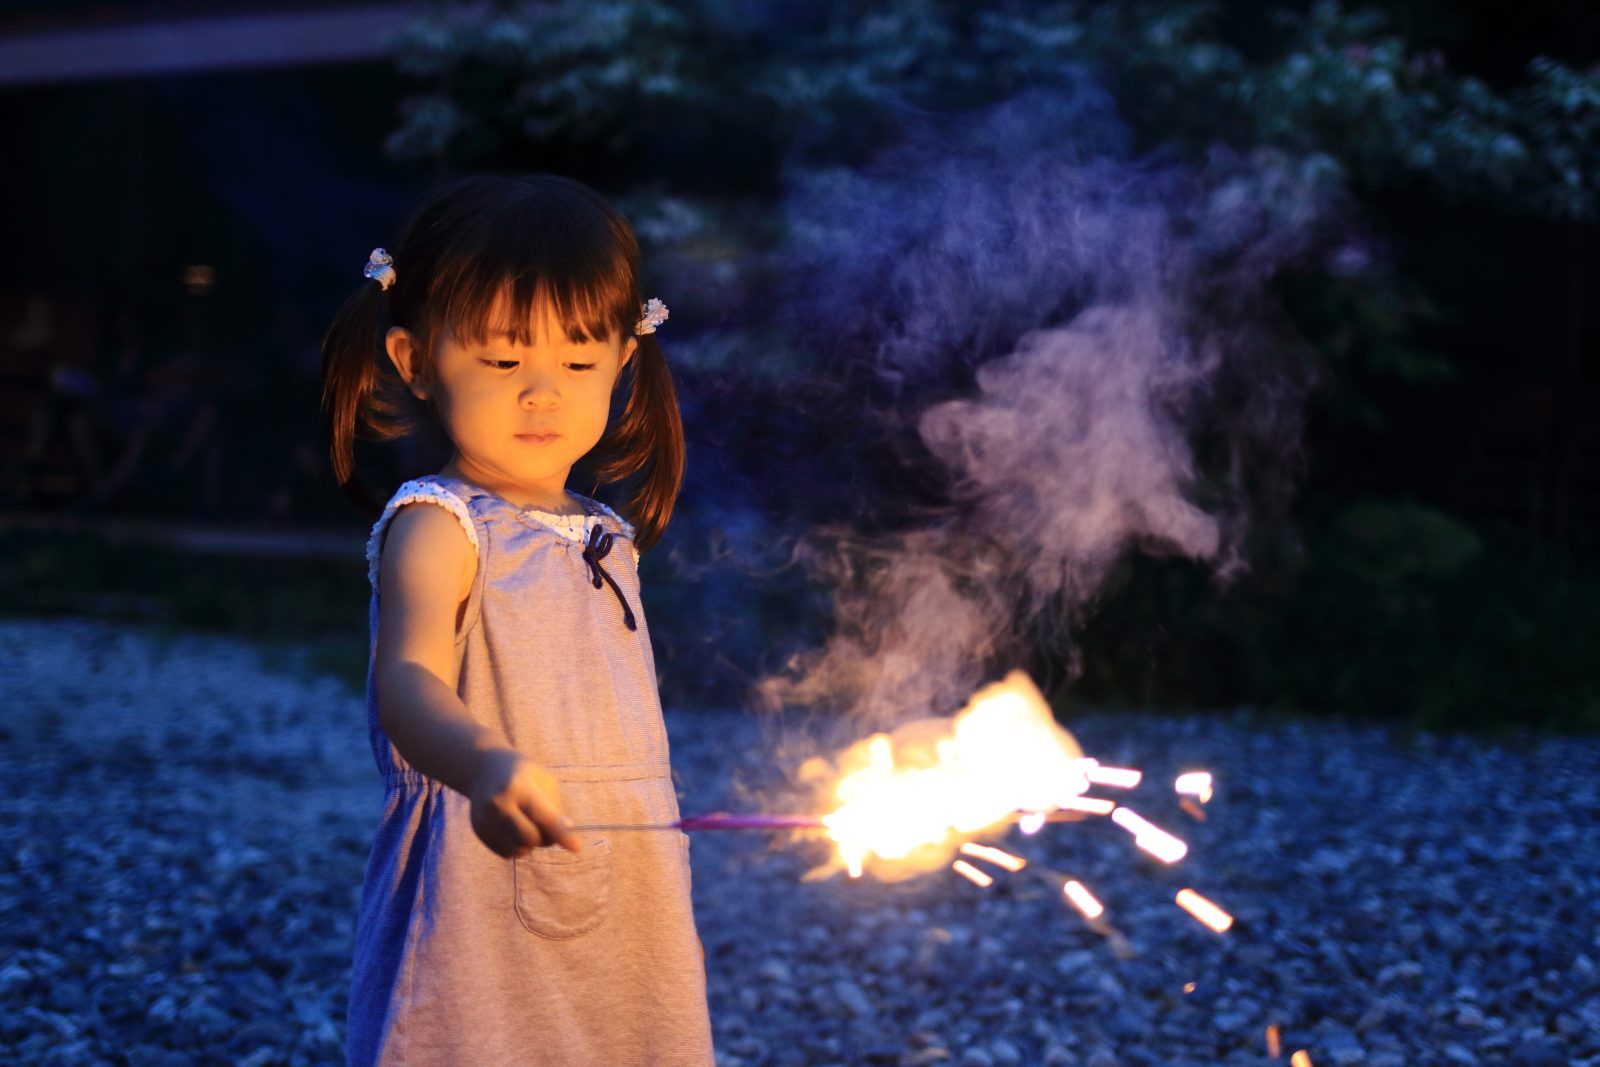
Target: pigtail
<point>357,400</point>
<point>648,437</point>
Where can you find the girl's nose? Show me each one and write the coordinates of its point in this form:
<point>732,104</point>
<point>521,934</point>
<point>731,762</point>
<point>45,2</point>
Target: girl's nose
<point>539,392</point>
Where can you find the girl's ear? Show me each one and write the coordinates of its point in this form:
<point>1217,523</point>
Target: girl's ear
<point>402,350</point>
<point>627,352</point>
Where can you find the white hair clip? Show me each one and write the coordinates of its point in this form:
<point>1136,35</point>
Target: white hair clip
<point>380,267</point>
<point>655,313</point>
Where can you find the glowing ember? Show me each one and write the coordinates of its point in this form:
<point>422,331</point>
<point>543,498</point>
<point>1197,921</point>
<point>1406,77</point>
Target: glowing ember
<point>1196,784</point>
<point>972,874</point>
<point>1204,910</point>
<point>1300,1059</point>
<point>1274,1043</point>
<point>1092,805</point>
<point>903,798</point>
<point>1116,777</point>
<point>997,856</point>
<point>1031,823</point>
<point>1083,900</point>
<point>1188,987</point>
<point>1154,840</point>
<point>1195,811</point>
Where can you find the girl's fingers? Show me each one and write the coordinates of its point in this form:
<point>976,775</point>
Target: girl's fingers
<point>525,834</point>
<point>549,819</point>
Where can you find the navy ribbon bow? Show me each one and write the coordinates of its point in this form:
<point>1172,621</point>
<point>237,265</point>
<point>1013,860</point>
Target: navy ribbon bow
<point>597,549</point>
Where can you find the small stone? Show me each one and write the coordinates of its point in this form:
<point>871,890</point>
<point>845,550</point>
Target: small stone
<point>1470,1017</point>
<point>1056,1056</point>
<point>1461,1055</point>
<point>1404,971</point>
<point>976,1057</point>
<point>775,970</point>
<point>1537,1053</point>
<point>925,1056</point>
<point>853,998</point>
<point>1075,962</point>
<point>1103,1057</point>
<point>1347,1054</point>
<point>1004,1052</point>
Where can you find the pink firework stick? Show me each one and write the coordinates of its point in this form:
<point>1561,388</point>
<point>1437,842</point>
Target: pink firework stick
<point>718,821</point>
<point>724,821</point>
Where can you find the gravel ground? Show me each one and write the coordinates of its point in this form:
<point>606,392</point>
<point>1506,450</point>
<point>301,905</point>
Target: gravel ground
<point>189,819</point>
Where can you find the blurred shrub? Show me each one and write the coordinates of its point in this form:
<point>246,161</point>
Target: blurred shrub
<point>1388,609</point>
<point>321,603</point>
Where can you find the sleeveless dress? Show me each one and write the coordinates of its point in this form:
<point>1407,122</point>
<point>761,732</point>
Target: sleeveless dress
<point>464,958</point>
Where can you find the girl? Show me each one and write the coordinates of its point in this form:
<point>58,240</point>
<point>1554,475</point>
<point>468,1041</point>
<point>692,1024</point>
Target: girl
<point>511,693</point>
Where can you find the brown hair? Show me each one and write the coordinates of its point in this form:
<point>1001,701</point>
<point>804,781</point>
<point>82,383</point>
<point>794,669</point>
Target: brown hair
<point>539,239</point>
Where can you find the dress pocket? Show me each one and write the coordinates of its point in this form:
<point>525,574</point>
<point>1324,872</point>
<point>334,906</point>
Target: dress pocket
<point>561,894</point>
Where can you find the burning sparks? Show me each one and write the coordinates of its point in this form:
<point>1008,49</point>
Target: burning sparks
<point>1154,840</point>
<point>1274,1042</point>
<point>1300,1059</point>
<point>1196,784</point>
<point>1092,805</point>
<point>1202,909</point>
<point>1083,900</point>
<point>903,798</point>
<point>972,874</point>
<point>997,856</point>
<point>1116,777</point>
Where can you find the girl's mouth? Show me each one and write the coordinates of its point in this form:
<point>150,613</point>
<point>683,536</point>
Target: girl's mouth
<point>537,438</point>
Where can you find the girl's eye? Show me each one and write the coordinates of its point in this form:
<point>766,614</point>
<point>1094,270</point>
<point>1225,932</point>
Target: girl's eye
<point>581,366</point>
<point>502,364</point>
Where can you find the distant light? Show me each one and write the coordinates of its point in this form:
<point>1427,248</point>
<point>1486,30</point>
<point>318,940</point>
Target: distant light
<point>199,278</point>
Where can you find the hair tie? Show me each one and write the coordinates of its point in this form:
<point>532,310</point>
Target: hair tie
<point>380,268</point>
<point>655,313</point>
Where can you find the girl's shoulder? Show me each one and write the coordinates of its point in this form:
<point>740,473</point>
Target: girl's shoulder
<point>438,491</point>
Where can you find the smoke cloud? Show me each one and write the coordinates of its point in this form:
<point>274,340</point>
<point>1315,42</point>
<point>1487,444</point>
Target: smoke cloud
<point>1110,370</point>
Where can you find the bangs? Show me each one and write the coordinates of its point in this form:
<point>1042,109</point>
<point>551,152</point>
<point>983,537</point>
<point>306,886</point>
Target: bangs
<point>507,267</point>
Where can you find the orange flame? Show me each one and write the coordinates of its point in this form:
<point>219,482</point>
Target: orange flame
<point>904,798</point>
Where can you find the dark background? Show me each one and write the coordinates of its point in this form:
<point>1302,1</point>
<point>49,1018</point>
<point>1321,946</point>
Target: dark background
<point>177,240</point>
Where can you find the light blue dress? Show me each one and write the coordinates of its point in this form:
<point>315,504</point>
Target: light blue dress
<point>467,959</point>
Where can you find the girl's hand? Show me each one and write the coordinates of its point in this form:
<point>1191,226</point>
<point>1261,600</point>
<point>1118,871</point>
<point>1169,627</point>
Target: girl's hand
<point>516,806</point>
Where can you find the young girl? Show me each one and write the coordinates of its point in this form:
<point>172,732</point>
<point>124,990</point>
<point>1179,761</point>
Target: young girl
<point>511,695</point>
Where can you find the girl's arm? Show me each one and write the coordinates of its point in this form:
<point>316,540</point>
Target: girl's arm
<point>424,578</point>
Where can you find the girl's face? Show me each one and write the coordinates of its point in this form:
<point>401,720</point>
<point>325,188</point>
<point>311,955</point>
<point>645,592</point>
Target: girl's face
<point>519,415</point>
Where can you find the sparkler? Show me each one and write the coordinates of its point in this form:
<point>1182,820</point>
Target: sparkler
<point>905,802</point>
